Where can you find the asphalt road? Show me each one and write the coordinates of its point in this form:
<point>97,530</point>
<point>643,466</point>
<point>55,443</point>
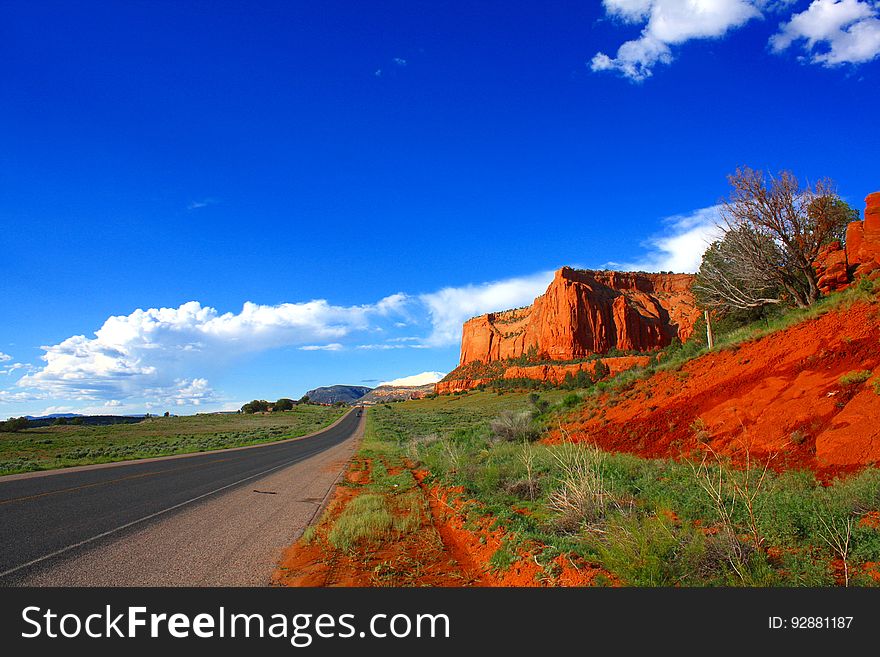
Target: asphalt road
<point>220,518</point>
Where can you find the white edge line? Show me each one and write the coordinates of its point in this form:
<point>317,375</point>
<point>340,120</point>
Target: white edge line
<point>140,520</point>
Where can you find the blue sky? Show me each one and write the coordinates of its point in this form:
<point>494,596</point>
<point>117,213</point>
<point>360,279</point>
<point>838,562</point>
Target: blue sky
<point>252,199</point>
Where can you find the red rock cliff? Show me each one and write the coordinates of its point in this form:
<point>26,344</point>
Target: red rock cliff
<point>838,265</point>
<point>587,312</point>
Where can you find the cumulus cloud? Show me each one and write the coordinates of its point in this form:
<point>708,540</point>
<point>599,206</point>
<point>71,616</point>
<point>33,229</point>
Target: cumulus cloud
<point>333,346</point>
<point>680,247</point>
<point>192,392</point>
<point>4,358</point>
<point>669,23</point>
<point>833,32</point>
<point>416,379</point>
<point>150,350</point>
<point>450,307</point>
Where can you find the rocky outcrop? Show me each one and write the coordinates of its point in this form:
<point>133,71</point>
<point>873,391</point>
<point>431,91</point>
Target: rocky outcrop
<point>549,372</point>
<point>831,268</point>
<point>584,313</point>
<point>837,266</point>
<point>863,239</point>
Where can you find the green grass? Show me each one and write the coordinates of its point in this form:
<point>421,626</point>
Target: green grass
<point>63,446</point>
<point>638,518</point>
<point>365,518</point>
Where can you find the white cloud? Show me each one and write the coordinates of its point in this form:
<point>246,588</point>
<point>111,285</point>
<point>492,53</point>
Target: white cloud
<point>203,203</point>
<point>12,367</point>
<point>4,357</point>
<point>399,61</point>
<point>681,246</point>
<point>833,32</point>
<point>193,392</point>
<point>669,23</point>
<point>152,349</point>
<point>415,380</point>
<point>450,307</point>
<point>7,396</point>
<point>333,346</point>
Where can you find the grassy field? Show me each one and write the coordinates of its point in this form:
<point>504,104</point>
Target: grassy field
<point>63,446</point>
<point>649,522</point>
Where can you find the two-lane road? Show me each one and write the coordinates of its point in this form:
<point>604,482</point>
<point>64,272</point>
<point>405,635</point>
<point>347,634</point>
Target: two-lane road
<point>219,518</point>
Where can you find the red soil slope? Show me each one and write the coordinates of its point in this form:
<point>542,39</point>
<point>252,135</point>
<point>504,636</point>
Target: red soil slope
<point>781,394</point>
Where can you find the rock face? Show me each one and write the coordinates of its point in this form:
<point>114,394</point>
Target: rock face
<point>837,265</point>
<point>584,313</point>
<point>831,268</point>
<point>863,239</point>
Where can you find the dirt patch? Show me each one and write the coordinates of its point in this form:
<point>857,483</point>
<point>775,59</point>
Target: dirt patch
<point>781,394</point>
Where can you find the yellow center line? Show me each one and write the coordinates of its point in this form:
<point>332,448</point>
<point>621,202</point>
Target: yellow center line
<point>111,481</point>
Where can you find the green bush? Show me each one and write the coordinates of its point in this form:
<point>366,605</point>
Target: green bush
<point>855,377</point>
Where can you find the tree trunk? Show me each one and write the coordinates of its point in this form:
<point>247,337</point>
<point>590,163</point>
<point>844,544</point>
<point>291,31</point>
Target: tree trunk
<point>710,336</point>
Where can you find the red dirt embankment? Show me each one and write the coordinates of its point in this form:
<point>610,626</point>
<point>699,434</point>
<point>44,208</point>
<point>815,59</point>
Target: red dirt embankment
<point>554,373</point>
<point>780,394</point>
<point>450,547</point>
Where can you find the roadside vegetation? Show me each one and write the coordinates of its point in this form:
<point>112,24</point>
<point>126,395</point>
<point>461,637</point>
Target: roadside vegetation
<point>648,522</point>
<point>59,446</point>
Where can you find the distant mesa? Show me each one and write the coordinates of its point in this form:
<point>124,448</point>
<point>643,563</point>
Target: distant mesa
<point>390,393</point>
<point>582,313</point>
<point>337,393</point>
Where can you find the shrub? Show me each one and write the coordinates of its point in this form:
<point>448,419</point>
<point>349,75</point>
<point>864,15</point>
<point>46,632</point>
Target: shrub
<point>855,377</point>
<point>583,495</point>
<point>256,406</point>
<point>283,404</point>
<point>514,427</point>
<point>571,400</point>
<point>651,551</point>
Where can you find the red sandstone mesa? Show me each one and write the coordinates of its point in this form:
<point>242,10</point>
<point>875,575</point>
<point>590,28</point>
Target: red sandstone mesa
<point>582,313</point>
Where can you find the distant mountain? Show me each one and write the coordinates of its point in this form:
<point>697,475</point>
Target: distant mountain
<point>52,416</point>
<point>88,420</point>
<point>389,393</point>
<point>333,394</point>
